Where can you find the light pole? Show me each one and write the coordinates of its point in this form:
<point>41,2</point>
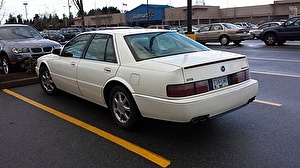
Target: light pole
<point>25,5</point>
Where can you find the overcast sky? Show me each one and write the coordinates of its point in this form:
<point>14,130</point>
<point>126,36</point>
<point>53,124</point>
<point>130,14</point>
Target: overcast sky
<point>16,7</point>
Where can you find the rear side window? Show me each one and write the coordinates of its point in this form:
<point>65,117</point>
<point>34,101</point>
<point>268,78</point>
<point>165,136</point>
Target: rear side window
<point>101,48</point>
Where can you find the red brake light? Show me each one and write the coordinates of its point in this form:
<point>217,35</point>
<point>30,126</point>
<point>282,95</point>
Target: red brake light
<point>241,76</point>
<point>181,90</point>
<point>187,89</point>
<point>202,86</point>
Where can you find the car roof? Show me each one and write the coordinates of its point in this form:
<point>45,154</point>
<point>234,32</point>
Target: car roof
<point>13,25</point>
<point>130,31</point>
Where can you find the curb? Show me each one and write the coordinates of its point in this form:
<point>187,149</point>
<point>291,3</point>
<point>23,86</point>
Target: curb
<point>19,82</point>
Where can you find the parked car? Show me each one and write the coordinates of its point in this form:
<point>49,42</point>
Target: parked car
<point>183,30</point>
<point>156,74</point>
<point>289,30</point>
<point>19,43</point>
<point>246,25</point>
<point>167,27</point>
<point>254,33</point>
<point>53,35</point>
<point>223,33</point>
<point>70,32</point>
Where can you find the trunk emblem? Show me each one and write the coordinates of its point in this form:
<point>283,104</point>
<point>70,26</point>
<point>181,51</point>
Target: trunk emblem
<point>223,68</point>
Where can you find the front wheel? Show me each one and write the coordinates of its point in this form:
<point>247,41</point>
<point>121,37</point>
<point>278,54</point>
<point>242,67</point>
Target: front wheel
<point>47,82</point>
<point>123,108</point>
<point>5,65</point>
<point>270,39</point>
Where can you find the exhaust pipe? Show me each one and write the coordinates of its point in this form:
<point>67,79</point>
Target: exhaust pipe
<point>199,119</point>
<point>251,100</point>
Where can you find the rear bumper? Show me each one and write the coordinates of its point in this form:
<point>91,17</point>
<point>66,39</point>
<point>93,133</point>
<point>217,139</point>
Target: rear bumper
<point>211,104</point>
<point>241,37</point>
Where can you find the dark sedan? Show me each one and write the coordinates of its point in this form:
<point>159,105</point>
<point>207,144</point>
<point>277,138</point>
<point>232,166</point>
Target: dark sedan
<point>54,35</point>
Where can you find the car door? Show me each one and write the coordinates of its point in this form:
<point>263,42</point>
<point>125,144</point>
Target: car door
<point>201,35</point>
<point>214,33</point>
<point>291,30</point>
<point>97,67</point>
<point>65,67</point>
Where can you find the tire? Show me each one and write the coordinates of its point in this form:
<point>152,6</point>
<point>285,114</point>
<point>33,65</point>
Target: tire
<point>270,39</point>
<point>237,42</point>
<point>123,108</point>
<point>5,65</point>
<point>281,42</point>
<point>224,40</point>
<point>46,81</point>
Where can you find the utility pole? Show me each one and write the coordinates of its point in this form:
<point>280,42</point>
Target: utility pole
<point>189,32</point>
<point>25,5</point>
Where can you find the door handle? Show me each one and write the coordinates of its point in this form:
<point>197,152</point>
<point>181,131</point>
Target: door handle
<point>73,64</point>
<point>107,70</point>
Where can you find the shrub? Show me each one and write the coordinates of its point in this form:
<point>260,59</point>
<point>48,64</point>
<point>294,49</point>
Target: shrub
<point>30,65</point>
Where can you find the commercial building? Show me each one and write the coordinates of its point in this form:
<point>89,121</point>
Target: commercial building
<point>144,15</point>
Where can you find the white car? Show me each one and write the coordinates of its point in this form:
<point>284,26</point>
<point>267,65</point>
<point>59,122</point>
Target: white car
<point>158,74</point>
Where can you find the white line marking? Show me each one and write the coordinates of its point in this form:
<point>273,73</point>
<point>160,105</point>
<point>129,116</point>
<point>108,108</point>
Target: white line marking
<point>276,74</point>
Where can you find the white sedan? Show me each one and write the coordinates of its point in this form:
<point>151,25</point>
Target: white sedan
<point>156,74</point>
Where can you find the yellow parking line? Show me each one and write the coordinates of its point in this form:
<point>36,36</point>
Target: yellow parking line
<point>159,160</point>
<point>268,103</point>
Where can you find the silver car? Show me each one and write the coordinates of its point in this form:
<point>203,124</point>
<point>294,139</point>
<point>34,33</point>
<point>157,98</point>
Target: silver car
<point>255,32</point>
<point>19,43</point>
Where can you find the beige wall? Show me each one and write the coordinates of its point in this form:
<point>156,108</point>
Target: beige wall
<point>117,19</point>
<point>206,14</point>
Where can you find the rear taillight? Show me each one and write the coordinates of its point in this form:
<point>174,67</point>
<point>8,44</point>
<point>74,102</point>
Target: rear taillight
<point>240,77</point>
<point>187,89</point>
<point>203,86</point>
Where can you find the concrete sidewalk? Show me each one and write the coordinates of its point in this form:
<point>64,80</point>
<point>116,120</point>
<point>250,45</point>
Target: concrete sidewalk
<point>17,79</point>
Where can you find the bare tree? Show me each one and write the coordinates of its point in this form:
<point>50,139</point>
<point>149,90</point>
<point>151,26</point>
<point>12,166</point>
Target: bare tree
<point>1,7</point>
<point>79,6</point>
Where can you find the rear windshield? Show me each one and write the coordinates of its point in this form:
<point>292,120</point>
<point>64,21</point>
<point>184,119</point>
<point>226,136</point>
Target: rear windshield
<point>231,26</point>
<point>18,32</point>
<point>161,44</point>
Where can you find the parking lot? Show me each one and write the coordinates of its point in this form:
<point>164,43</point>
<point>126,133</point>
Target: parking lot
<point>38,130</point>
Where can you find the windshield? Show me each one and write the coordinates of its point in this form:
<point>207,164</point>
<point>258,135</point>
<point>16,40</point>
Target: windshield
<point>18,32</point>
<point>152,45</point>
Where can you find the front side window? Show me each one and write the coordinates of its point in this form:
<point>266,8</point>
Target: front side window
<point>76,46</point>
<point>204,29</point>
<point>293,22</point>
<point>161,44</point>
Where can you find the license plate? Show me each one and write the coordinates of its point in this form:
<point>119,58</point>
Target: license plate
<point>220,82</point>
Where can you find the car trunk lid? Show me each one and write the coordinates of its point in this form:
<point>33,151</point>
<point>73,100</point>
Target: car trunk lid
<point>207,64</point>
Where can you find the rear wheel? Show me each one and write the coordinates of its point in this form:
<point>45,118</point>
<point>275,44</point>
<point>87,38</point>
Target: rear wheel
<point>224,40</point>
<point>270,39</point>
<point>46,81</point>
<point>123,108</point>
<point>5,64</point>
